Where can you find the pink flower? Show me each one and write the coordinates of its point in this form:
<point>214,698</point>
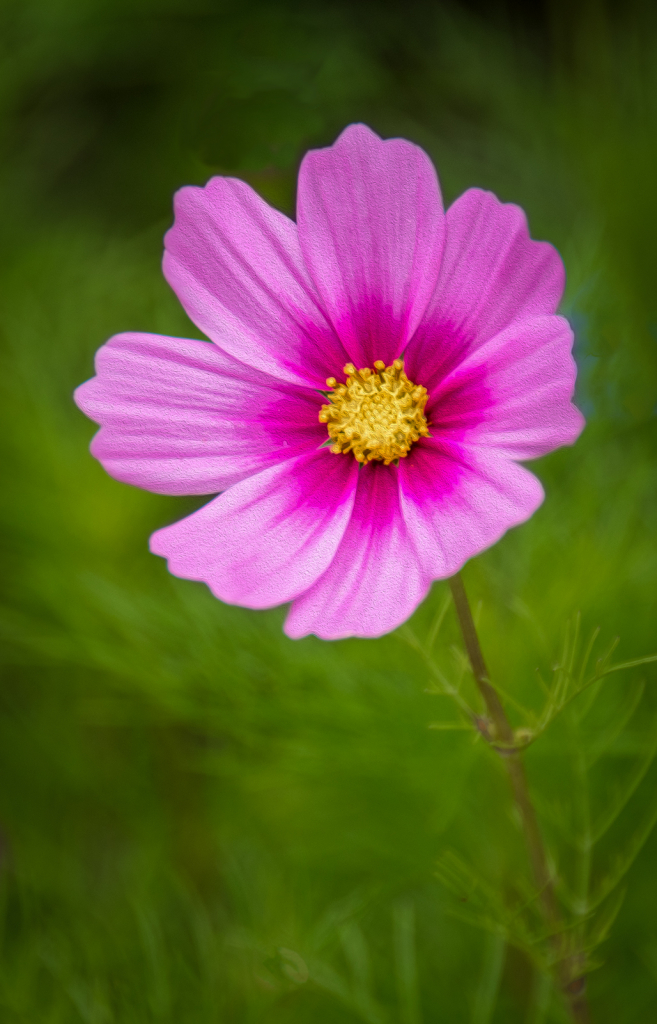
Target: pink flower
<point>467,370</point>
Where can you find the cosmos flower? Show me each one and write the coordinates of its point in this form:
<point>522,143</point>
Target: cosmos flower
<point>375,374</point>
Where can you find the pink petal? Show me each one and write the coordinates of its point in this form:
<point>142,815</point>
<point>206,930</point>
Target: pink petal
<point>492,274</point>
<point>268,538</point>
<point>371,227</point>
<point>234,263</point>
<point>458,501</point>
<point>514,392</point>
<point>182,417</point>
<point>375,580</point>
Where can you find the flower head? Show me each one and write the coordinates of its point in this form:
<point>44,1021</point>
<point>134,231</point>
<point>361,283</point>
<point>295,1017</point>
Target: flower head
<point>375,373</point>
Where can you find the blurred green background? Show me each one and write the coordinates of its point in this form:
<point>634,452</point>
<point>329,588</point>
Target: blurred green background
<point>200,820</point>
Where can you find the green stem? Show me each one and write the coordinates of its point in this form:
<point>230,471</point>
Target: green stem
<point>572,984</point>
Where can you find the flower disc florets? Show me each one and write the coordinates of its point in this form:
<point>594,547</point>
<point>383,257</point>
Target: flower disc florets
<point>377,415</point>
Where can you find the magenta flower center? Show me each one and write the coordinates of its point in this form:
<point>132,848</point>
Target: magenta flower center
<point>377,414</point>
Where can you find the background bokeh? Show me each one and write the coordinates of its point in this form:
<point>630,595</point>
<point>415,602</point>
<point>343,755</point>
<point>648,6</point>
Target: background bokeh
<point>200,820</point>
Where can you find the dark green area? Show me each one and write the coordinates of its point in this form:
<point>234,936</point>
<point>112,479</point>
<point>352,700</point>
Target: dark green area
<point>200,820</point>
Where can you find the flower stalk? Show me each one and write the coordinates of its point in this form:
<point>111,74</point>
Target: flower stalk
<point>571,980</point>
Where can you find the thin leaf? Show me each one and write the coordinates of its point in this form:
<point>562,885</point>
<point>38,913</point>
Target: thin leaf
<point>586,706</point>
<point>604,920</point>
<point>540,998</point>
<point>489,979</point>
<point>553,708</point>
<point>621,719</point>
<point>480,903</point>
<point>357,956</point>
<point>554,812</point>
<point>403,921</point>
<point>614,808</point>
<point>326,931</point>
<point>437,622</point>
<point>588,652</point>
<point>592,694</point>
<point>330,980</point>
<point>651,658</point>
<point>443,687</point>
<point>584,845</point>
<point>570,666</point>
<point>624,862</point>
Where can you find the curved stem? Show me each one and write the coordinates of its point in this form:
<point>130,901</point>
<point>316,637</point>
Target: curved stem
<point>572,982</point>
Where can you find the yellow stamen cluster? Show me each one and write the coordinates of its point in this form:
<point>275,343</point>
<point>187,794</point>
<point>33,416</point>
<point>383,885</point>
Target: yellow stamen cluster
<point>378,414</point>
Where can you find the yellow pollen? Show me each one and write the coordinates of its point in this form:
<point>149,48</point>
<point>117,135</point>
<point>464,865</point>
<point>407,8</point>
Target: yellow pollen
<point>377,414</point>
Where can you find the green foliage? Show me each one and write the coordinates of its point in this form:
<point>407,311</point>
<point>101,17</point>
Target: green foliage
<point>200,820</point>
<point>573,693</point>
